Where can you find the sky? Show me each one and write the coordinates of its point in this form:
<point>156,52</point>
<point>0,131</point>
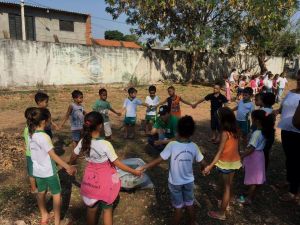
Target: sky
<point>101,20</point>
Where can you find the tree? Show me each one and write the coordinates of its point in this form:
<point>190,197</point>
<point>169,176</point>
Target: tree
<point>262,26</point>
<point>195,25</point>
<point>113,35</point>
<point>131,37</point>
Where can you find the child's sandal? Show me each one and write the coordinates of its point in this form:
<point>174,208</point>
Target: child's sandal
<point>215,215</point>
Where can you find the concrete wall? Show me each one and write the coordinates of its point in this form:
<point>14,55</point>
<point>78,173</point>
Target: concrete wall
<point>28,63</point>
<point>47,24</point>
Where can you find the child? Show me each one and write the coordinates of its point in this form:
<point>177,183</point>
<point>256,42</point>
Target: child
<point>130,107</point>
<point>182,154</point>
<point>28,153</point>
<point>173,102</point>
<point>258,100</point>
<point>227,88</point>
<point>76,114</point>
<point>42,100</point>
<point>244,108</point>
<point>44,158</point>
<point>217,100</point>
<point>268,83</point>
<point>253,157</point>
<point>268,102</point>
<point>227,160</point>
<point>282,81</point>
<point>153,101</point>
<point>253,84</point>
<point>241,87</point>
<point>103,107</point>
<point>275,84</point>
<point>101,185</point>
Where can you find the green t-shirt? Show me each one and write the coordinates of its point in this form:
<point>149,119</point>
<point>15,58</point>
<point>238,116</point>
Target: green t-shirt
<point>102,107</point>
<point>170,127</point>
<point>26,139</point>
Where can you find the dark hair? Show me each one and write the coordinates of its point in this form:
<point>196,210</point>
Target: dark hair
<point>267,122</point>
<point>40,97</point>
<point>268,99</point>
<point>248,90</point>
<point>28,111</point>
<point>152,88</point>
<point>76,94</point>
<point>91,121</point>
<point>186,126</point>
<point>218,84</point>
<point>259,95</point>
<point>132,90</point>
<point>35,116</point>
<point>102,90</point>
<point>253,77</point>
<point>172,88</point>
<point>228,121</point>
<point>233,70</point>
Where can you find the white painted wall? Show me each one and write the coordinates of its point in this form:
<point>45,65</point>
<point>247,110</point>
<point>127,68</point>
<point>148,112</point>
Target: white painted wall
<point>27,63</point>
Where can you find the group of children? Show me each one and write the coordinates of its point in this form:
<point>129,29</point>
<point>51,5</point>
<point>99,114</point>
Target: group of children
<point>100,185</point>
<point>266,83</point>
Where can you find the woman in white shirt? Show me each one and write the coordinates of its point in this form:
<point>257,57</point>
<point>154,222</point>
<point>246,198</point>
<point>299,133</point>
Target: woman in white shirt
<point>290,137</point>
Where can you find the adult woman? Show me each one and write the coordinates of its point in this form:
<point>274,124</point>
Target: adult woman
<point>290,137</point>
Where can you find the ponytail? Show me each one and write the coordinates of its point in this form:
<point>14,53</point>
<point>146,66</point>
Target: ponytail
<point>92,121</point>
<point>35,116</point>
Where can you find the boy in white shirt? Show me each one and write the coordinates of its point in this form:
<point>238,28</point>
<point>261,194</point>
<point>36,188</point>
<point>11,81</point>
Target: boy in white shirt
<point>130,107</point>
<point>153,101</point>
<point>182,153</point>
<point>281,81</point>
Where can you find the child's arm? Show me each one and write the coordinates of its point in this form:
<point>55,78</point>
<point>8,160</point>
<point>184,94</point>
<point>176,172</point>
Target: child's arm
<point>70,169</point>
<point>185,102</point>
<point>234,109</point>
<point>154,163</point>
<point>224,138</point>
<point>69,111</point>
<point>115,112</point>
<point>125,168</point>
<point>249,150</point>
<point>198,102</point>
<point>73,158</point>
<point>55,126</point>
<point>162,103</point>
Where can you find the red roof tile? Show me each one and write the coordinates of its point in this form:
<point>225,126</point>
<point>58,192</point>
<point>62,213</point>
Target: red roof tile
<point>113,43</point>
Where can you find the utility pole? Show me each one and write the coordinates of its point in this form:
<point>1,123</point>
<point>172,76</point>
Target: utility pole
<point>23,21</point>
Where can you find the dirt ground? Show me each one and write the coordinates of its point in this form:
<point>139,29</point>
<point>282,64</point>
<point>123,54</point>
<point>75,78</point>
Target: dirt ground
<point>141,207</point>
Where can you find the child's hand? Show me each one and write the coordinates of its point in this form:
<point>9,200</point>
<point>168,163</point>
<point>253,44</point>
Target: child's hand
<point>71,170</point>
<point>137,172</point>
<point>207,170</point>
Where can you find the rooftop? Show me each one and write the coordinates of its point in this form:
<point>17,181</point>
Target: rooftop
<point>113,43</point>
<point>38,6</point>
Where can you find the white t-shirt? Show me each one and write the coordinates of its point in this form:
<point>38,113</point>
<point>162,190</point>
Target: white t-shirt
<point>267,110</point>
<point>182,155</point>
<point>231,77</point>
<point>101,151</point>
<point>152,102</point>
<point>289,106</point>
<point>257,140</point>
<point>131,106</point>
<point>40,144</point>
<point>268,83</point>
<point>281,81</point>
<point>244,110</point>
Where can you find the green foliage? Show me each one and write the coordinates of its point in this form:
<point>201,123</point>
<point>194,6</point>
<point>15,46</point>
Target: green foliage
<point>131,37</point>
<point>113,35</point>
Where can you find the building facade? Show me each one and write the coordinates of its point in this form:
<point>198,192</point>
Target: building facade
<point>44,24</point>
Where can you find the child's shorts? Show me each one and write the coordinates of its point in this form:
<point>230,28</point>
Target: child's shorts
<point>51,183</point>
<point>182,195</point>
<point>29,166</point>
<point>130,121</point>
<point>76,135</point>
<point>107,129</point>
<point>226,171</point>
<point>244,127</point>
<point>92,203</point>
<point>150,118</point>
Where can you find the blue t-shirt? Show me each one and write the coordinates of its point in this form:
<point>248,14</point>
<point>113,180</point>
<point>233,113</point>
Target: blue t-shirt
<point>244,110</point>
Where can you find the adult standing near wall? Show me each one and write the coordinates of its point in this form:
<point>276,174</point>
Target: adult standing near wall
<point>290,137</point>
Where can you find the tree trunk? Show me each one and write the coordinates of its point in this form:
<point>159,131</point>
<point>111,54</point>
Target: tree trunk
<point>193,67</point>
<point>262,63</point>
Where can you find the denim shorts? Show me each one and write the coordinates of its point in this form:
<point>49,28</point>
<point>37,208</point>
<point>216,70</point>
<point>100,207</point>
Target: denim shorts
<point>76,134</point>
<point>182,195</point>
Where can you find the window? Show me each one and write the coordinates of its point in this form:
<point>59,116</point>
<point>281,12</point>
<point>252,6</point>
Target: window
<point>15,27</point>
<point>65,25</point>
